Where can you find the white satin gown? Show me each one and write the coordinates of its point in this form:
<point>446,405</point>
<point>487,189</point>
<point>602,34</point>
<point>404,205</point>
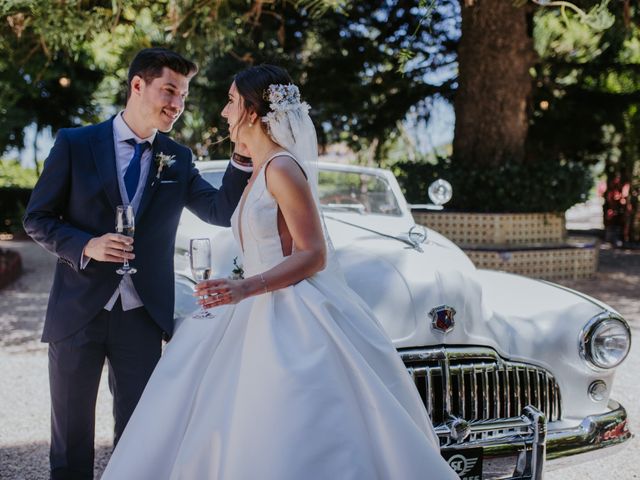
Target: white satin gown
<point>298,383</point>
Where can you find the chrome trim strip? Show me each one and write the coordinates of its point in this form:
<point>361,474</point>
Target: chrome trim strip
<point>497,395</point>
<point>474,395</point>
<point>462,394</point>
<point>428,393</point>
<point>507,384</point>
<point>446,387</point>
<point>516,391</point>
<point>528,397</point>
<point>485,393</point>
<point>547,394</point>
<point>537,389</point>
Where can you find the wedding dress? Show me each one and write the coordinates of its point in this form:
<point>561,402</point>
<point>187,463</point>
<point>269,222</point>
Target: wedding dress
<point>299,383</point>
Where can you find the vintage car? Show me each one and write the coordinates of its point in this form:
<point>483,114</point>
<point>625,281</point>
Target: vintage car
<point>516,373</point>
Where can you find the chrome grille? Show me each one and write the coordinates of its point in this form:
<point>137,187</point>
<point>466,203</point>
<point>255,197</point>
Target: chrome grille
<point>478,385</point>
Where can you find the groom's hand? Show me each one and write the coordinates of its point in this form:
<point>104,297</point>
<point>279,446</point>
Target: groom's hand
<point>242,155</point>
<point>241,149</point>
<point>111,247</point>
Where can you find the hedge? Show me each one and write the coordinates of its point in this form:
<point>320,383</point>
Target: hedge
<point>13,201</point>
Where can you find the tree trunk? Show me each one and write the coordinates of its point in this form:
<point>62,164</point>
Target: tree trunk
<point>494,83</point>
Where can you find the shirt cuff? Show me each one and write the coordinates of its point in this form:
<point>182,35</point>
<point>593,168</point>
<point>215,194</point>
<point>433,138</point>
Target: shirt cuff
<point>84,260</point>
<point>243,167</point>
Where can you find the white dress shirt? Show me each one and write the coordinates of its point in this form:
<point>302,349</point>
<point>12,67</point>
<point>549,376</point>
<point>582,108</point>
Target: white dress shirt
<point>124,153</point>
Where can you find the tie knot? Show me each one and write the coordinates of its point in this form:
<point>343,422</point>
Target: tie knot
<point>139,147</point>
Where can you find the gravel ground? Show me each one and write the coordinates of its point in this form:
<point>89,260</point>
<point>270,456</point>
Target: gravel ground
<point>24,402</point>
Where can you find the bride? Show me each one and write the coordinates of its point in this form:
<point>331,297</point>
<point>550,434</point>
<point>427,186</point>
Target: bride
<point>293,377</point>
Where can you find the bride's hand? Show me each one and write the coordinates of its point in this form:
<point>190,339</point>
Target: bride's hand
<point>220,291</point>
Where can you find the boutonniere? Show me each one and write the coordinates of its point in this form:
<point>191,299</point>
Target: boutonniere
<point>163,160</point>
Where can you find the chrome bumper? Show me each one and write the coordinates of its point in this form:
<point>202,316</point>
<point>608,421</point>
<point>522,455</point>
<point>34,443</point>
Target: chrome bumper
<point>595,433</point>
<point>531,448</point>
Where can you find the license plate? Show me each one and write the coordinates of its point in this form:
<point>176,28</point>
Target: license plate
<point>466,462</point>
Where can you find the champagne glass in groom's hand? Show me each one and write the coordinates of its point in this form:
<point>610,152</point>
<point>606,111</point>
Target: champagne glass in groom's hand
<point>125,225</point>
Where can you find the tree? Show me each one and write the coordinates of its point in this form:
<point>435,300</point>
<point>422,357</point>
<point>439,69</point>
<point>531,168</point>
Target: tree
<point>494,83</point>
<point>41,82</point>
<point>345,62</point>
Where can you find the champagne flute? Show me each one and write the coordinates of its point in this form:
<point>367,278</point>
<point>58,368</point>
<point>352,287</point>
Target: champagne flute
<point>200,258</point>
<point>125,225</point>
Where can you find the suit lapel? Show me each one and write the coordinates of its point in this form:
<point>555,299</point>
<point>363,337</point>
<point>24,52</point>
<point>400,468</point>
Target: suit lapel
<point>152,183</point>
<point>104,155</point>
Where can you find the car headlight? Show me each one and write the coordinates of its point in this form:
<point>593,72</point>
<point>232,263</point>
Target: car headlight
<point>605,341</point>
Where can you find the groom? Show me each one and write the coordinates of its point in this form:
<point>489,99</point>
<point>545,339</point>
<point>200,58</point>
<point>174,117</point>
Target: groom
<point>93,312</point>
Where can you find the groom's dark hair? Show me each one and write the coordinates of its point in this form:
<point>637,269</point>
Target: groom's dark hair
<point>148,64</point>
<point>253,83</point>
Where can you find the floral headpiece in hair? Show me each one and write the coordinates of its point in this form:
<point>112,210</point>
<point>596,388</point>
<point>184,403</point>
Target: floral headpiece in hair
<point>282,99</point>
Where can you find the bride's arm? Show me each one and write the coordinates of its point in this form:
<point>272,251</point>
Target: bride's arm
<point>288,185</point>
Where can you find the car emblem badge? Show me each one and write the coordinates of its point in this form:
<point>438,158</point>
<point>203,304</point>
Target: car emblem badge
<point>442,318</point>
<point>462,465</point>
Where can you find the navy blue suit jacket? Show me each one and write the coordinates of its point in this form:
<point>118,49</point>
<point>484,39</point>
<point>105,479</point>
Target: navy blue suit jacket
<point>75,199</point>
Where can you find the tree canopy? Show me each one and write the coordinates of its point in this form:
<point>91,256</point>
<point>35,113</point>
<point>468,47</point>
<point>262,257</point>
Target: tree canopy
<point>363,66</point>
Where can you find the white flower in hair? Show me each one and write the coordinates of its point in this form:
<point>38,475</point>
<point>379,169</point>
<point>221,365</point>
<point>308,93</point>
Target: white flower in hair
<point>283,99</point>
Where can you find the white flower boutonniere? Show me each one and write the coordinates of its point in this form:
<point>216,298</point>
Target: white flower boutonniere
<point>163,160</point>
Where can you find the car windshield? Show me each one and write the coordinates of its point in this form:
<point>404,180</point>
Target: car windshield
<point>357,191</point>
<point>347,191</point>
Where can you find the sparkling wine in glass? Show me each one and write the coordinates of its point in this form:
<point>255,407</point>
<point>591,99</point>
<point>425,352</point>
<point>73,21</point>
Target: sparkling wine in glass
<point>200,258</point>
<point>125,225</point>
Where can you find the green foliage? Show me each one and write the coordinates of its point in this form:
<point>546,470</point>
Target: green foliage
<point>587,99</point>
<point>344,55</point>
<point>598,18</point>
<point>16,183</point>
<point>13,201</point>
<point>561,38</point>
<point>47,76</point>
<point>512,187</point>
<point>344,61</point>
<point>12,174</point>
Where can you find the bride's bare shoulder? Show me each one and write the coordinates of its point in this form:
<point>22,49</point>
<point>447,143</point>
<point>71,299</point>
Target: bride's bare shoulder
<point>284,169</point>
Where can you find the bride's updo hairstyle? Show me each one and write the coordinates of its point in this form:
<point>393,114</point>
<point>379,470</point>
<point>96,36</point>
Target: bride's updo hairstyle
<point>253,84</point>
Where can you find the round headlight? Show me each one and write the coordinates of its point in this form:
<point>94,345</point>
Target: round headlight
<point>606,342</point>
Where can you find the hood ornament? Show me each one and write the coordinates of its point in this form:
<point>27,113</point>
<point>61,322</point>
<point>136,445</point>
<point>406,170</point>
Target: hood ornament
<point>417,235</point>
<point>442,318</point>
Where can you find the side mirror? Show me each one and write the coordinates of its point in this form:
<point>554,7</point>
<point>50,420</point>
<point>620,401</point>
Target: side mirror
<point>440,192</point>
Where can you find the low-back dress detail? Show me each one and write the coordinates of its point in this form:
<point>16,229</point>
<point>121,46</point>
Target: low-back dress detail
<point>257,218</point>
<point>297,383</point>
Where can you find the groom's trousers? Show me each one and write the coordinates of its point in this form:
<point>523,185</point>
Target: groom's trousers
<point>131,342</point>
